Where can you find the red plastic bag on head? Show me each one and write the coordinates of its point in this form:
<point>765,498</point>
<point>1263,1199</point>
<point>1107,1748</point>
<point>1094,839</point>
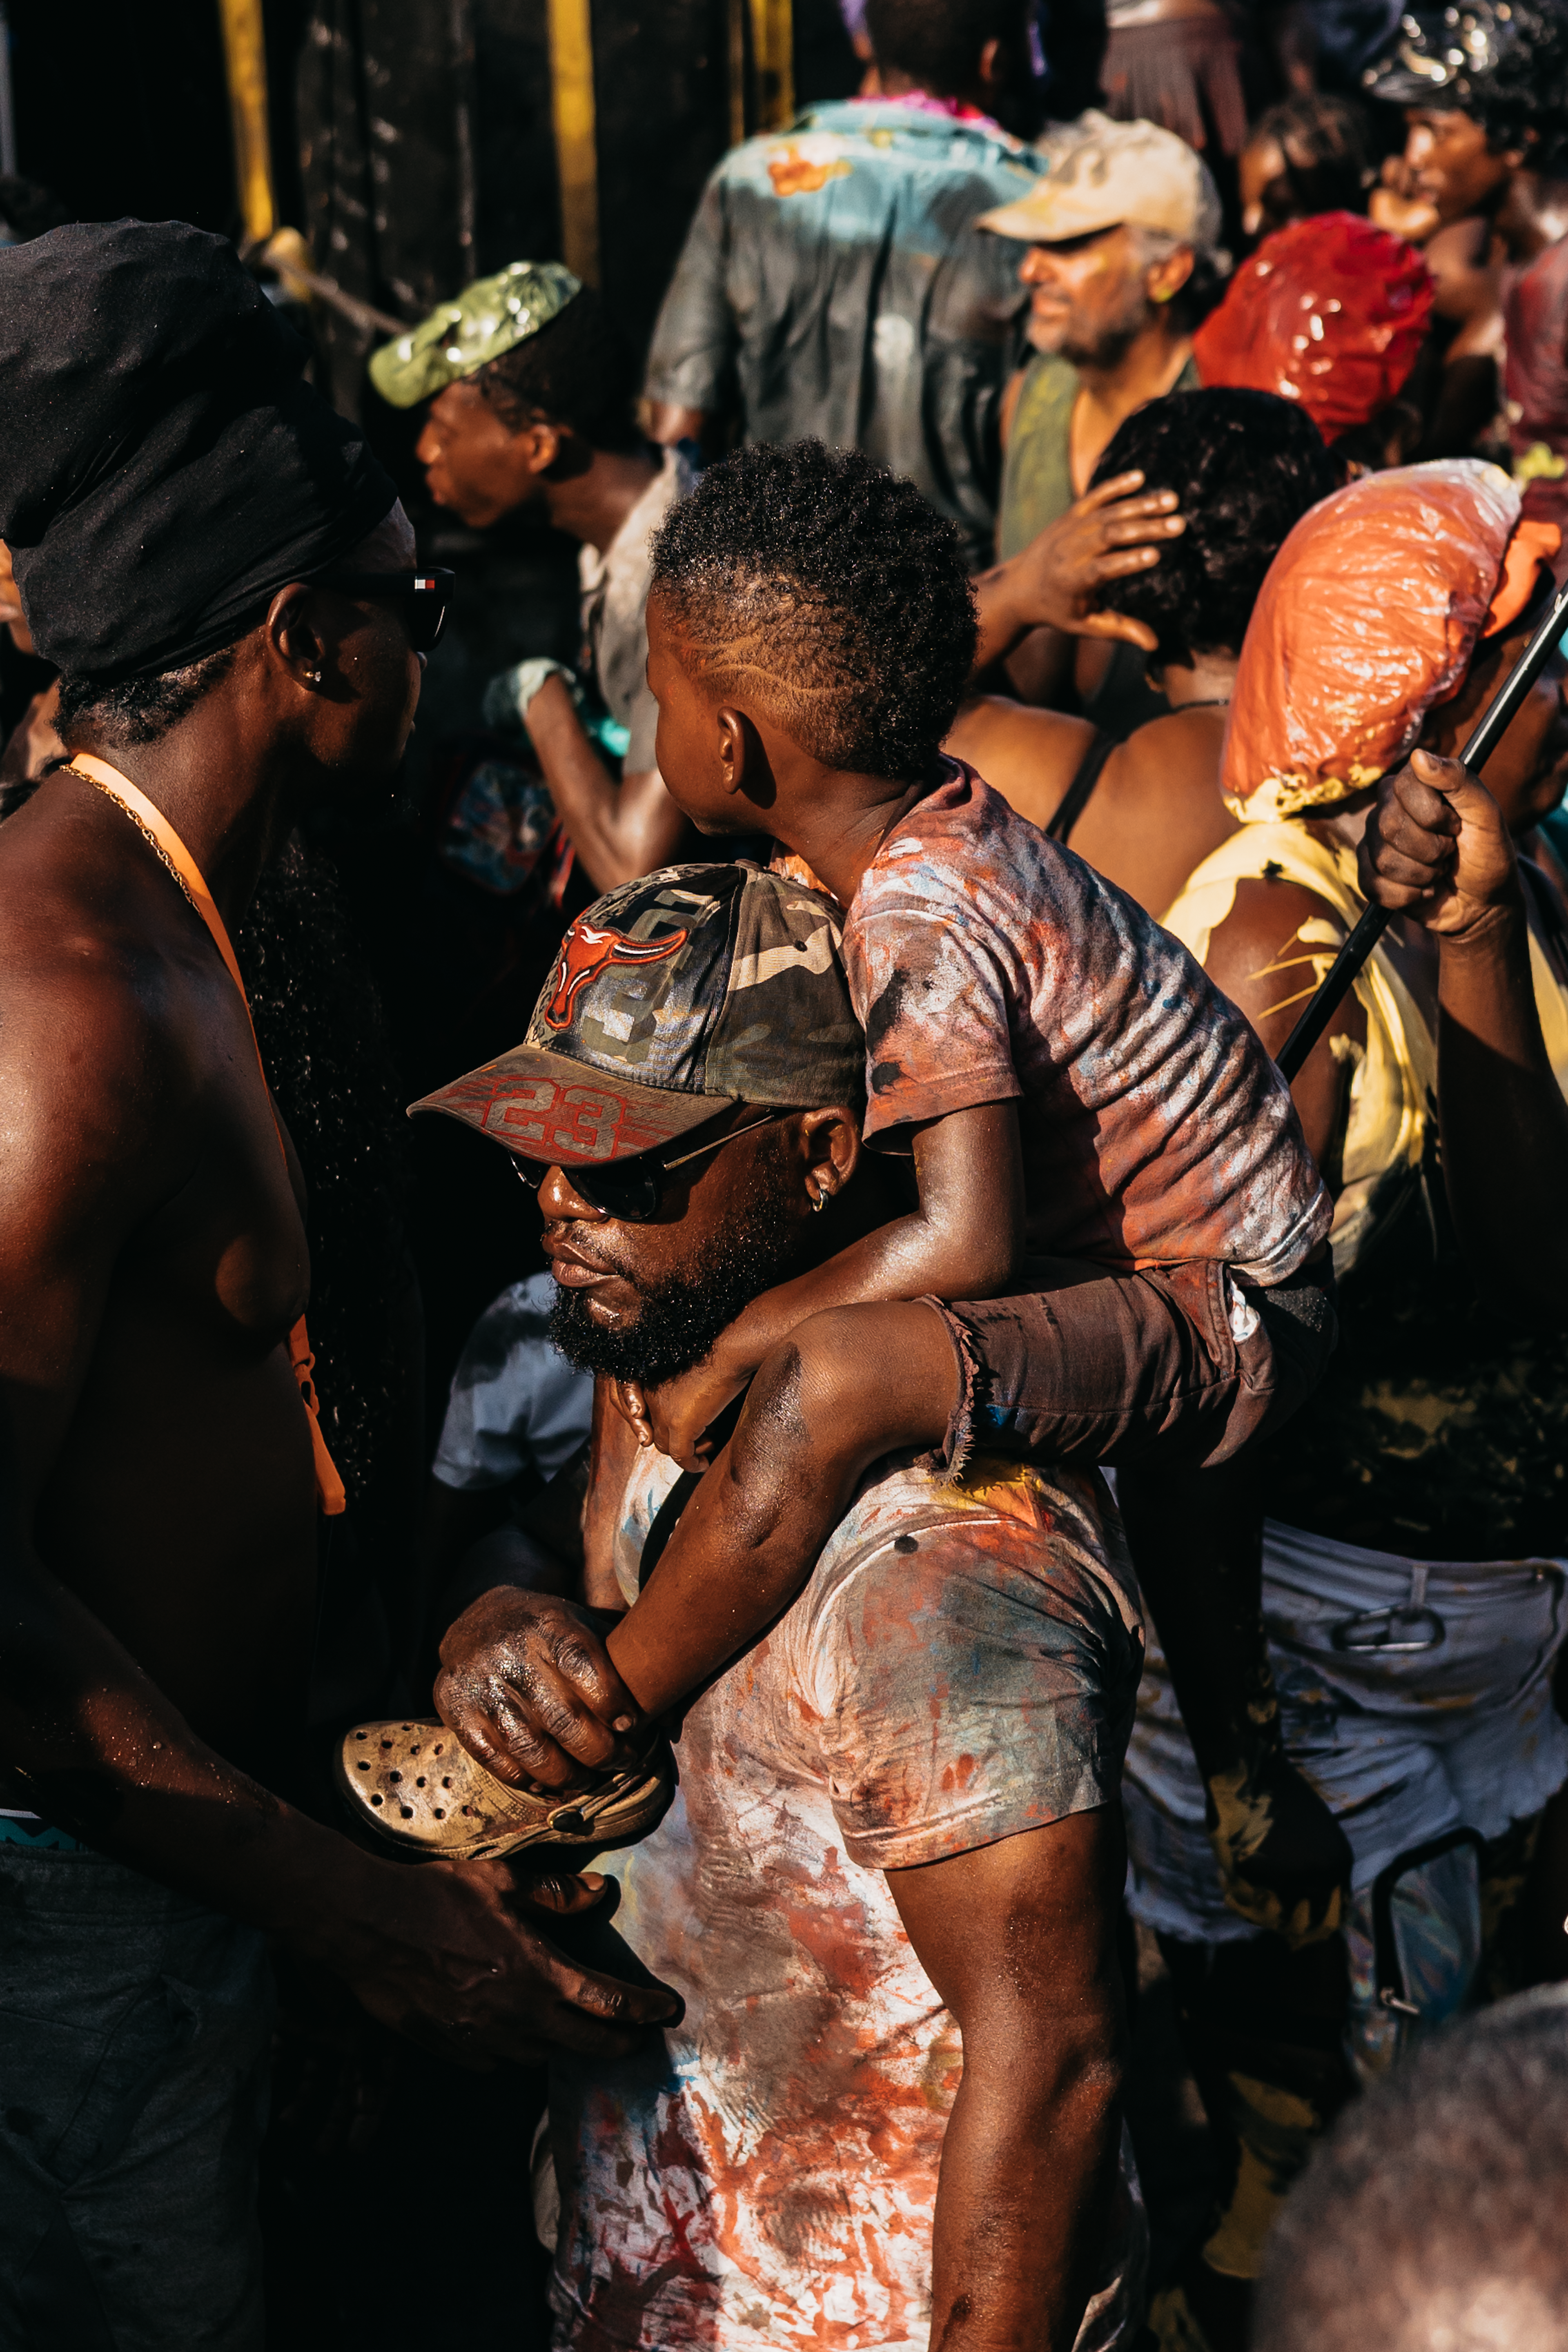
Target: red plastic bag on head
<point>1368,616</point>
<point>1329,311</point>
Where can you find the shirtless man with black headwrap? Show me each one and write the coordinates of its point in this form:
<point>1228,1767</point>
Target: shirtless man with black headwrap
<point>224,576</point>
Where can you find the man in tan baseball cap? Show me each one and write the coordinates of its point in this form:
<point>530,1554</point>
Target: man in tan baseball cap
<point>1122,263</point>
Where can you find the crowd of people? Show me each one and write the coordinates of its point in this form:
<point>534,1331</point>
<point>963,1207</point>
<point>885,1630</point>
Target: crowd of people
<point>963,1496</point>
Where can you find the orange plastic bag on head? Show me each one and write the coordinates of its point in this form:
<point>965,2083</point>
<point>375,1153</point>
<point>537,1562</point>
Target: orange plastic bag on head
<point>1329,312</point>
<point>1368,616</point>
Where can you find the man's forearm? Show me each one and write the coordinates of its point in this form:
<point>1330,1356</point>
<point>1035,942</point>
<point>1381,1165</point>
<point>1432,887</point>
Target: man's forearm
<point>1028,2171</point>
<point>102,1753</point>
<point>619,829</point>
<point>581,787</point>
<point>1000,612</point>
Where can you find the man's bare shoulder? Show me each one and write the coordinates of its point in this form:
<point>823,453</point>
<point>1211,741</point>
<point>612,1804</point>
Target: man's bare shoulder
<point>91,961</point>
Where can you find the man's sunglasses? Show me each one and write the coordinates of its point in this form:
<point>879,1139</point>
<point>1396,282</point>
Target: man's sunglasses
<point>633,1189</point>
<point>422,596</point>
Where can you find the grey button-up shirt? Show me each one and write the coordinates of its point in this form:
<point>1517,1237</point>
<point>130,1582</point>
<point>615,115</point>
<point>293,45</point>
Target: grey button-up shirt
<point>834,283</point>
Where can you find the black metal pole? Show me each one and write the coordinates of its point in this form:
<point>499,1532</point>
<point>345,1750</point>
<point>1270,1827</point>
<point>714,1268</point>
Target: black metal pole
<point>1492,726</point>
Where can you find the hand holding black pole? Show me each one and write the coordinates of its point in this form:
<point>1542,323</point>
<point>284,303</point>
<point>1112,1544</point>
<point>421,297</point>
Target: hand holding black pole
<point>1492,726</point>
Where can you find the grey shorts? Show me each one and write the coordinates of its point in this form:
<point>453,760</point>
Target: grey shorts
<point>135,2029</point>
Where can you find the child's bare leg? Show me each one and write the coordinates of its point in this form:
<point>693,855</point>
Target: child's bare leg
<point>848,1387</point>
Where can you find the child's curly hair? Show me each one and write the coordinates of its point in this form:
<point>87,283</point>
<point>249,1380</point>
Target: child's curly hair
<point>820,588</point>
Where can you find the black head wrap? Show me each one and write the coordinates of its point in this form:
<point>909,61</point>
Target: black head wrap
<point>163,471</point>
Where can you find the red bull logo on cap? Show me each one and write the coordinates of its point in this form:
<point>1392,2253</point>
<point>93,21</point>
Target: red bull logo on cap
<point>588,949</point>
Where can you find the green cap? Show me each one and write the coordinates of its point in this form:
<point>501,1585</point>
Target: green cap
<point>491,316</point>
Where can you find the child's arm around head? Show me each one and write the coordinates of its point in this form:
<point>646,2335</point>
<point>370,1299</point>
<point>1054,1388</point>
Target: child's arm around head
<point>964,1240</point>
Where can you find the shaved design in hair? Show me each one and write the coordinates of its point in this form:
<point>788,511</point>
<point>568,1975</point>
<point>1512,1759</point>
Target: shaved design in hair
<point>825,593</point>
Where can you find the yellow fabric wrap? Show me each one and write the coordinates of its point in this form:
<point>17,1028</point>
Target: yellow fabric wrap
<point>1396,1080</point>
<point>1394,1089</point>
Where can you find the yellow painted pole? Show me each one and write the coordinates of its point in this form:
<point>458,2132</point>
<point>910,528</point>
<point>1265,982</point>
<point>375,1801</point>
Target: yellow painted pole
<point>737,71</point>
<point>772,47</point>
<point>576,149</point>
<point>244,62</point>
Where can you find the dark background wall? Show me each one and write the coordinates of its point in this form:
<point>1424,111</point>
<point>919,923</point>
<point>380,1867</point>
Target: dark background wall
<point>398,125</point>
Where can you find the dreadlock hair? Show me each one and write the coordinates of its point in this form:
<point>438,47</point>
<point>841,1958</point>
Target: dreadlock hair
<point>1523,102</point>
<point>1431,2218</point>
<point>1246,467</point>
<point>1322,141</point>
<point>938,42</point>
<point>137,710</point>
<point>318,1028</point>
<point>819,588</point>
<point>576,372</point>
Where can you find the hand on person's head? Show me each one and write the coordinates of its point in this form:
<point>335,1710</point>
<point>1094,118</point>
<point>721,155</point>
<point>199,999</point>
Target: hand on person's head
<point>527,1686</point>
<point>1115,530</point>
<point>1436,849</point>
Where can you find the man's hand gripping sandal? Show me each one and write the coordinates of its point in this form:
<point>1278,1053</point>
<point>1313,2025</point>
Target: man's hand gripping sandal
<point>417,1785</point>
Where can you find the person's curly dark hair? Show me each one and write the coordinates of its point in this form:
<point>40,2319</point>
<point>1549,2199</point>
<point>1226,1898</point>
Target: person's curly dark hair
<point>1246,467</point>
<point>826,592</point>
<point>1523,102</point>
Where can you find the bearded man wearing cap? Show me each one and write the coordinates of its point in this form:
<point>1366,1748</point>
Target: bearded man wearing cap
<point>224,578</point>
<point>1122,263</point>
<point>531,391</point>
<point>862,2130</point>
<point>1415,1542</point>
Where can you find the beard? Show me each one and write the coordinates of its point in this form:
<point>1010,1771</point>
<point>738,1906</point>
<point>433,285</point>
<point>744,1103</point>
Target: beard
<point>678,1322</point>
<point>1105,344</point>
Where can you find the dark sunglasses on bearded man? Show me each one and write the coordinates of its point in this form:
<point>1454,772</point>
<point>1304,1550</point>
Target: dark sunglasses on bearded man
<point>633,1189</point>
<point>422,596</point>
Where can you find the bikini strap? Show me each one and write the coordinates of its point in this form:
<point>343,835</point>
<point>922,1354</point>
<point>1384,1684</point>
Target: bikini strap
<point>1076,798</point>
<point>171,852</point>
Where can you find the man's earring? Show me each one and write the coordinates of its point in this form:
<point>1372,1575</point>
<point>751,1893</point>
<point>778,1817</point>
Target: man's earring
<point>315,675</point>
<point>821,1197</point>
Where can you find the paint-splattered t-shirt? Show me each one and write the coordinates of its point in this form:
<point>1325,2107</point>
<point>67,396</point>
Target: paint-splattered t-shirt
<point>961,1668</point>
<point>987,963</point>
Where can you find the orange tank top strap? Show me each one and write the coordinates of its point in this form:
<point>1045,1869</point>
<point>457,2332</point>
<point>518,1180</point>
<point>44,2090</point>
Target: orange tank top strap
<point>171,852</point>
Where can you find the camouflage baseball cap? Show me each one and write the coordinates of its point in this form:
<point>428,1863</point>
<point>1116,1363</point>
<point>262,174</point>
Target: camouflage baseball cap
<point>491,316</point>
<point>676,994</point>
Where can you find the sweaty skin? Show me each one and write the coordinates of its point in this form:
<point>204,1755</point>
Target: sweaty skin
<point>1438,851</point>
<point>738,772</point>
<point>1017,1937</point>
<point>1155,811</point>
<point>480,469</point>
<point>158,1520</point>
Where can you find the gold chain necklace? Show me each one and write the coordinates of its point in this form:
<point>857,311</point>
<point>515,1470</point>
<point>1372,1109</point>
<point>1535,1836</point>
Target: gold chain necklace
<point>147,834</point>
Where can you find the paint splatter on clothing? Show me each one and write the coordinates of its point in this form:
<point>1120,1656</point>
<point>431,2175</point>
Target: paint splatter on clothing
<point>962,1667</point>
<point>987,963</point>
